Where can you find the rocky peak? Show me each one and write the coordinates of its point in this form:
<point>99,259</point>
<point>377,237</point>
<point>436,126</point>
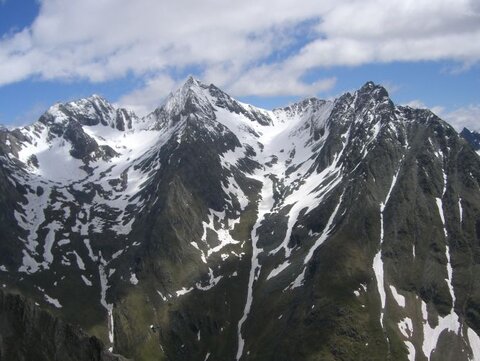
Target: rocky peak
<point>191,98</point>
<point>472,137</point>
<point>90,111</point>
<point>225,101</point>
<point>367,108</point>
<point>192,82</point>
<point>373,89</point>
<point>309,105</point>
<point>371,94</point>
<point>191,93</point>
<point>196,100</point>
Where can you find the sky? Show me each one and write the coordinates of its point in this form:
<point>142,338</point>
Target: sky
<point>269,53</point>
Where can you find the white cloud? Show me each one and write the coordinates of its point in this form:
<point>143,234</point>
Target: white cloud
<point>145,99</point>
<point>468,117</point>
<point>391,87</point>
<point>437,109</point>
<point>416,103</point>
<point>237,45</point>
<point>101,40</point>
<point>272,80</point>
<point>459,118</point>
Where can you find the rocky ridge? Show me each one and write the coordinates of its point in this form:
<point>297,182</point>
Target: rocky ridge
<point>347,228</point>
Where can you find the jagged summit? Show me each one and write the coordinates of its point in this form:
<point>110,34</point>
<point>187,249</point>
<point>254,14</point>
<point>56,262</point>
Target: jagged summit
<point>196,100</point>
<point>189,97</point>
<point>89,111</point>
<point>376,90</point>
<point>192,81</point>
<point>311,104</point>
<point>472,137</point>
<point>192,97</point>
<point>370,86</point>
<point>372,92</point>
<point>190,87</point>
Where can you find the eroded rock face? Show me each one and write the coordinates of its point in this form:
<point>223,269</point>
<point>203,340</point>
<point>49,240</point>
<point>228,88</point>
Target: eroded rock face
<point>211,229</point>
<point>29,333</point>
<point>472,137</point>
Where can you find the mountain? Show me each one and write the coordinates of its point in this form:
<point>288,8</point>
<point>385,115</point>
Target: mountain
<point>472,137</point>
<point>214,230</point>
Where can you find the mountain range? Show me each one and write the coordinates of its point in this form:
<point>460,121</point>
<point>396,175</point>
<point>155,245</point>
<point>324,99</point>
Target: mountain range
<point>212,230</point>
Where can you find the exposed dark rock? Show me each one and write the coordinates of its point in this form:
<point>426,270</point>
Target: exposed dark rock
<point>473,138</point>
<point>30,333</point>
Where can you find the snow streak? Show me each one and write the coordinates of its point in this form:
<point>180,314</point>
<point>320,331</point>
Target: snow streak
<point>264,207</point>
<point>326,232</point>
<point>377,261</point>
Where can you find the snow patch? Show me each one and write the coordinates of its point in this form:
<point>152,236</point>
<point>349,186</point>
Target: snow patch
<point>406,327</point>
<point>133,279</point>
<point>398,297</point>
<point>431,334</point>
<point>63,242</point>
<point>52,301</point>
<point>411,350</point>
<point>184,291</point>
<point>447,251</point>
<point>80,263</point>
<point>460,210</point>
<point>325,234</point>
<point>212,282</point>
<point>474,342</point>
<point>276,271</point>
<point>86,280</point>
<point>162,296</point>
<point>377,260</point>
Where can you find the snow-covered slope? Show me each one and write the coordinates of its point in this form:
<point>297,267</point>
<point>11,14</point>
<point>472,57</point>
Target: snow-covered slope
<point>353,220</point>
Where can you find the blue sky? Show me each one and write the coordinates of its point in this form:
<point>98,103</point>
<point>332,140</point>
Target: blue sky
<point>424,52</point>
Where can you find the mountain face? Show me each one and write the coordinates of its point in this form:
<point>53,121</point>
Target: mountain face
<point>29,333</point>
<point>214,230</point>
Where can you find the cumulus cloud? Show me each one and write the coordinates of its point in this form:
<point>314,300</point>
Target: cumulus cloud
<point>240,46</point>
<point>465,117</point>
<point>273,80</point>
<point>146,98</point>
<point>437,109</point>
<point>100,40</point>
